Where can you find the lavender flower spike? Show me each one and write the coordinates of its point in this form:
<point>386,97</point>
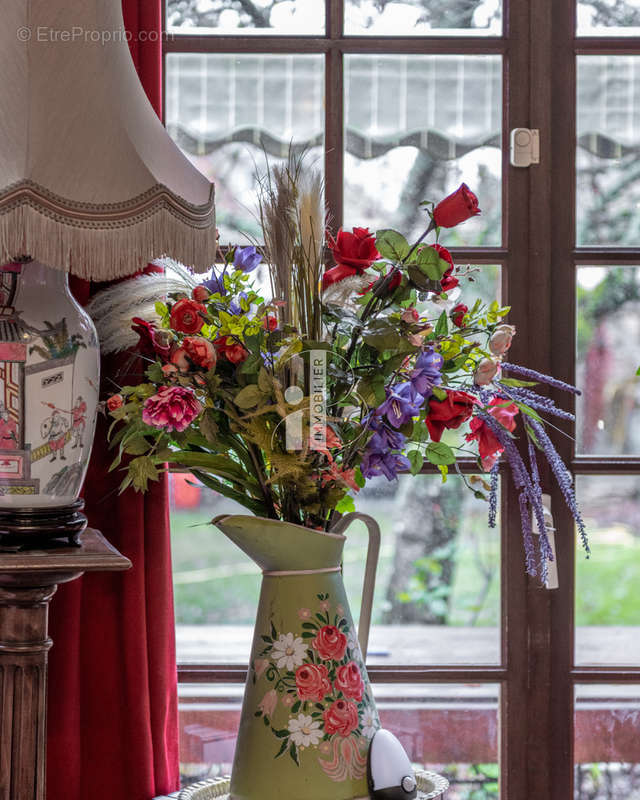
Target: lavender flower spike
<point>493,495</point>
<point>540,377</point>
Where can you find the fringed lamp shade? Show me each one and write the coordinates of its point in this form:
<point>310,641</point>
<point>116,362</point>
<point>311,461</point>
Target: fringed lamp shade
<point>90,183</point>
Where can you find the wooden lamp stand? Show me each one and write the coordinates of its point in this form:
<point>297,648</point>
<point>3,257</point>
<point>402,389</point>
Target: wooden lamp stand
<point>28,581</point>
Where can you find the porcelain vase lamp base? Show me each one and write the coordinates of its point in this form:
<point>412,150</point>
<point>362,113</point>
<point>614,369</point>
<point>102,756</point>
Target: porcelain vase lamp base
<point>49,384</point>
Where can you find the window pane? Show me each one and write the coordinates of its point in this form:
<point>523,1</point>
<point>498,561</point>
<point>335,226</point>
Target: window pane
<point>607,742</point>
<point>423,17</point>
<point>416,127</point>
<point>225,111</point>
<point>608,154</point>
<point>437,590</point>
<point>607,598</point>
<point>290,17</point>
<point>608,355</point>
<point>608,18</point>
<point>451,729</point>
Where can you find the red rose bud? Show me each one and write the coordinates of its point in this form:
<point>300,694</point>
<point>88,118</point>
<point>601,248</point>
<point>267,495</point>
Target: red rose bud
<point>114,402</point>
<point>356,250</point>
<point>186,316</point>
<point>457,314</point>
<point>456,208</point>
<point>200,294</point>
<point>270,322</point>
<point>396,280</point>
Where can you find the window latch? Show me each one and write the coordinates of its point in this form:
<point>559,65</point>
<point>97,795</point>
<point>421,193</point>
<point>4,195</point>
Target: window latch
<point>525,147</point>
<point>552,566</point>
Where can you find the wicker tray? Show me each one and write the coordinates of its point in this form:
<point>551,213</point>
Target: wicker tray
<point>430,787</point>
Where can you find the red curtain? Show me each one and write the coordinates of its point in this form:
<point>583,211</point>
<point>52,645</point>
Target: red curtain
<point>112,716</point>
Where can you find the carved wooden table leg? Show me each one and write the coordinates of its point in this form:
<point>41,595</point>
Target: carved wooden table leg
<point>28,581</point>
<point>24,646</point>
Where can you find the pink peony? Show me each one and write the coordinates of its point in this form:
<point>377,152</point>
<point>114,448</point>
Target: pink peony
<point>173,408</point>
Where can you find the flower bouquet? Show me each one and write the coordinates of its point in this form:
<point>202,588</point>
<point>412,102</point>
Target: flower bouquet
<point>288,398</point>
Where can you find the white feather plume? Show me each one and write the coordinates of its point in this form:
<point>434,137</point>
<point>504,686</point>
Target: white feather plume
<point>112,309</point>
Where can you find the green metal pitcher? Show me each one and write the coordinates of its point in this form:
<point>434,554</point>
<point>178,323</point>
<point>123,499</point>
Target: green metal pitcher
<point>308,713</point>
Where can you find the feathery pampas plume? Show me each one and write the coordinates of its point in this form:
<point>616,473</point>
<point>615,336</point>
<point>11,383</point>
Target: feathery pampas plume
<point>112,309</point>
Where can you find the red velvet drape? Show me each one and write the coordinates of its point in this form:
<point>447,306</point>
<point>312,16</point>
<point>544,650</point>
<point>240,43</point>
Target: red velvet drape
<point>112,716</point>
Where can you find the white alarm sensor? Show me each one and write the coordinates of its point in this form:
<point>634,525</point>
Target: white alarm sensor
<point>389,771</point>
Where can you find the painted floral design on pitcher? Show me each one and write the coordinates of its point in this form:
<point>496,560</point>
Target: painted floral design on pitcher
<point>317,675</point>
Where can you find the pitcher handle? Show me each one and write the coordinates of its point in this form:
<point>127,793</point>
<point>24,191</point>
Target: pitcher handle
<point>373,551</point>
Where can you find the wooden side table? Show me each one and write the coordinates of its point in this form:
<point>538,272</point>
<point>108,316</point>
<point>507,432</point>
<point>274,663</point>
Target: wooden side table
<point>28,581</point>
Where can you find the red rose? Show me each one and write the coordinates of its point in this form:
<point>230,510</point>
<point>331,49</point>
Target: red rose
<point>455,208</point>
<point>489,445</point>
<point>200,294</point>
<point>341,717</point>
<point>312,682</point>
<point>200,351</point>
<point>330,643</point>
<point>228,348</point>
<point>270,322</point>
<point>447,282</point>
<point>349,681</point>
<point>457,314</point>
<point>357,250</point>
<point>186,316</point>
<point>449,413</point>
<point>115,401</point>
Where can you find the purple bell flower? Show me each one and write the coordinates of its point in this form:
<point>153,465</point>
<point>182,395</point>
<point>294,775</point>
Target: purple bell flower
<point>426,372</point>
<point>385,440</point>
<point>215,284</point>
<point>234,305</point>
<point>387,464</point>
<point>402,403</point>
<point>246,259</point>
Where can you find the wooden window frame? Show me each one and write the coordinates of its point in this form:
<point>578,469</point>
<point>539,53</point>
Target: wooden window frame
<point>537,674</point>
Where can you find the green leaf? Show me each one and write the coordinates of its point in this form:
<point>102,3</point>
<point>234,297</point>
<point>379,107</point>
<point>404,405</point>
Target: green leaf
<point>371,389</point>
<point>161,309</point>
<point>141,471</point>
<point>442,326</point>
<point>392,245</point>
<point>155,373</point>
<point>209,427</point>
<point>416,460</point>
<point>439,394</point>
<point>382,335</point>
<point>440,453</point>
<point>346,505</point>
<point>444,471</point>
<point>422,281</point>
<point>264,381</point>
<point>516,382</point>
<point>283,747</point>
<point>359,478</point>
<point>249,397</point>
<point>430,263</point>
<point>293,752</point>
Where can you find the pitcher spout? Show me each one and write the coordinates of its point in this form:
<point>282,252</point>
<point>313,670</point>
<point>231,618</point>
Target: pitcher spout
<point>282,546</point>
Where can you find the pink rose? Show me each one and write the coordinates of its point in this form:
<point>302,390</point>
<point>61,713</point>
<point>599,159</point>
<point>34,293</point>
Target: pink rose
<point>173,408</point>
<point>500,342</point>
<point>330,643</point>
<point>268,703</point>
<point>312,682</point>
<point>341,717</point>
<point>485,372</point>
<point>349,681</point>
